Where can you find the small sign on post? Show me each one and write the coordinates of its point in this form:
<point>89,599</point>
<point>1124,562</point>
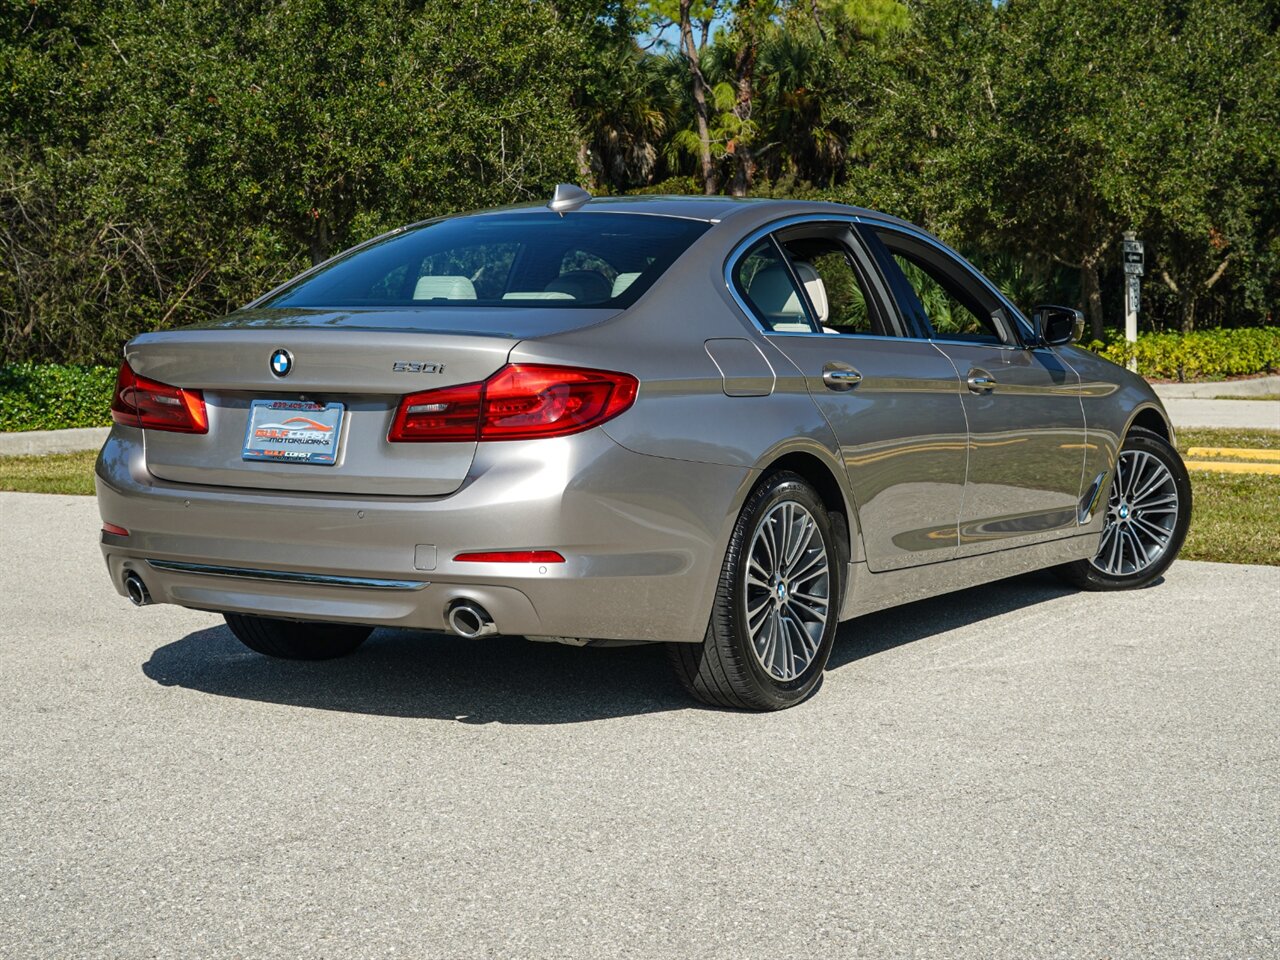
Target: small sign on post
<point>1134,257</point>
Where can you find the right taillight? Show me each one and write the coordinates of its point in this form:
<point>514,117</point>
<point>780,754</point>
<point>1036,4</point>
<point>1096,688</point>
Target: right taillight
<point>140,402</point>
<point>519,402</point>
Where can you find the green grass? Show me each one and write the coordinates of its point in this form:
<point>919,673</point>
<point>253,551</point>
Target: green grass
<point>1256,396</point>
<point>52,473</point>
<point>1229,437</point>
<point>1236,517</point>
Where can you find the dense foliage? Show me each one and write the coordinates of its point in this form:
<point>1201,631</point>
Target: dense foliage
<point>161,162</point>
<point>1198,355</point>
<point>50,396</point>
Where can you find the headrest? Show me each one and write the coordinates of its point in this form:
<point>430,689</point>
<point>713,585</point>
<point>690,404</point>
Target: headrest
<point>622,281</point>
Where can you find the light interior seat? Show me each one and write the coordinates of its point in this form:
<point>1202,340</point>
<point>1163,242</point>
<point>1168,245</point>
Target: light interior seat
<point>585,285</point>
<point>444,288</point>
<point>816,290</point>
<point>622,281</point>
<point>774,294</point>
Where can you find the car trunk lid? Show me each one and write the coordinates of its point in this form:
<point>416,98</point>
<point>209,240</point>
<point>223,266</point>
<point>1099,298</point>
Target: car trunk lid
<point>363,361</point>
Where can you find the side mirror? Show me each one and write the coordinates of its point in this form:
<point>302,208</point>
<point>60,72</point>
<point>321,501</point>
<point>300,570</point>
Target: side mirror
<point>1056,326</point>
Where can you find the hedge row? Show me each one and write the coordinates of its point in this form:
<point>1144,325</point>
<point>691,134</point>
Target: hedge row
<point>54,396</point>
<point>1200,355</point>
<point>50,396</point>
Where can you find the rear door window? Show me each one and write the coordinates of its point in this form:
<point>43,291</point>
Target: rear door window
<point>836,285</point>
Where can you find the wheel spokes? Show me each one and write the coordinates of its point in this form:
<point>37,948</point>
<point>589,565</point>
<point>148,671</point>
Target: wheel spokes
<point>1142,500</point>
<point>786,590</point>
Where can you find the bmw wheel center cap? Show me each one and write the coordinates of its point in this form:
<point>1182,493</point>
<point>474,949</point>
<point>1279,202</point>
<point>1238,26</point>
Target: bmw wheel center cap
<point>281,363</point>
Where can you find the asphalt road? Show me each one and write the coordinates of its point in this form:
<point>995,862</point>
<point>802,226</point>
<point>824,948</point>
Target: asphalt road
<point>1014,771</point>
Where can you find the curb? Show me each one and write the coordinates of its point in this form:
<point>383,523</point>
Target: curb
<point>1255,387</point>
<point>36,442</point>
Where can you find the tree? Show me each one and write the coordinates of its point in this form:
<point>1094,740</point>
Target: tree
<point>1202,144</point>
<point>164,162</point>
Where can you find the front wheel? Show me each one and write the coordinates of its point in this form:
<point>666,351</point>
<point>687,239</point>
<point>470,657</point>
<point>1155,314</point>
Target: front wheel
<point>776,607</point>
<point>294,639</point>
<point>1148,512</point>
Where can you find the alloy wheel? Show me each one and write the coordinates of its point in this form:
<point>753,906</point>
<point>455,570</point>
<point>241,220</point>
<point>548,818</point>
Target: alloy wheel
<point>788,590</point>
<point>1142,511</point>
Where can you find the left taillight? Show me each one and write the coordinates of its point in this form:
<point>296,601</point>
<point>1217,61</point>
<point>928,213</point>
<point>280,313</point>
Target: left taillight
<point>140,402</point>
<point>521,401</point>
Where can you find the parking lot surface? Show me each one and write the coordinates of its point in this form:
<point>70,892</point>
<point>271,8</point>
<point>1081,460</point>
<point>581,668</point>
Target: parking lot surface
<point>1018,770</point>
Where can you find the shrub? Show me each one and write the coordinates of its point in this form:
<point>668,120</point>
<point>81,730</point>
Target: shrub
<point>50,396</point>
<point>1200,355</point>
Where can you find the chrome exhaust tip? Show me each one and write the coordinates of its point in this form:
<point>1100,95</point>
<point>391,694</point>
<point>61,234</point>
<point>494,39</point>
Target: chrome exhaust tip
<point>468,619</point>
<point>139,596</point>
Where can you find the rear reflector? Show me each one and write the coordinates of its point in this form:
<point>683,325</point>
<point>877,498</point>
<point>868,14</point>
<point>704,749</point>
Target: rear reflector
<point>139,402</point>
<point>115,531</point>
<point>519,402</point>
<point>511,556</point>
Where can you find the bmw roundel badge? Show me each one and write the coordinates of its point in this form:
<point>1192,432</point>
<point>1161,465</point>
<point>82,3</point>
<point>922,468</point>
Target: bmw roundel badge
<point>281,363</point>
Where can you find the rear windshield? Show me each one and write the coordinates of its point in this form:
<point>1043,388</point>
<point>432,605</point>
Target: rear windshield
<point>497,260</point>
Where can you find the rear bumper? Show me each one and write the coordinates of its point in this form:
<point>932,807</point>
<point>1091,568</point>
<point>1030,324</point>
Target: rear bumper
<point>643,539</point>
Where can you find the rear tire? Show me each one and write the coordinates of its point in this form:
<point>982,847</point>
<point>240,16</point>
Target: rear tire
<point>773,623</point>
<point>296,640</point>
<point>1148,512</point>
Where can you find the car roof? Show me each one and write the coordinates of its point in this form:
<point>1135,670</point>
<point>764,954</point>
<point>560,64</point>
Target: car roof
<point>712,209</point>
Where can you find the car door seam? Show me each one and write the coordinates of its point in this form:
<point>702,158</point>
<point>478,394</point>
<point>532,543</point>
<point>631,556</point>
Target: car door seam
<point>968,441</point>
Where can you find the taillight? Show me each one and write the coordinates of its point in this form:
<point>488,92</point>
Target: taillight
<point>451,413</point>
<point>139,402</point>
<point>519,402</point>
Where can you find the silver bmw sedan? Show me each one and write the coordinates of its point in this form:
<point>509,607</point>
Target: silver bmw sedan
<point>716,424</point>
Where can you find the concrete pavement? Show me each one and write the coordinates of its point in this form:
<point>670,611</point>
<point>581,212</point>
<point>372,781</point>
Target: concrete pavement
<point>1014,771</point>
<point>1239,414</point>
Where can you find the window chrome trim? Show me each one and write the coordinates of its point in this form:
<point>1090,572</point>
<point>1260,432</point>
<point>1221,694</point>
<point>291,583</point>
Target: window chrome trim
<point>286,576</point>
<point>1020,325</point>
<point>844,336</point>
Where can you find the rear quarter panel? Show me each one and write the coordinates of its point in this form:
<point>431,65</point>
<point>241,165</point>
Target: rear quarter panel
<point>682,412</point>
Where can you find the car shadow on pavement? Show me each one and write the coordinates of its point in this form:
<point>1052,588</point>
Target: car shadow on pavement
<point>409,673</point>
<point>877,632</point>
<point>404,673</point>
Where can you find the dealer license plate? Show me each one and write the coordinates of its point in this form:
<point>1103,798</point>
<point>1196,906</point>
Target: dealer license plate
<point>293,431</point>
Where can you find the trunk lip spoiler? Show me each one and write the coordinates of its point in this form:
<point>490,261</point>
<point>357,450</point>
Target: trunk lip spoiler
<point>286,576</point>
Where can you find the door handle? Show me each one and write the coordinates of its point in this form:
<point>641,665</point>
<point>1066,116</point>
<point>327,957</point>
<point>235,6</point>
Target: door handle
<point>840,376</point>
<point>980,381</point>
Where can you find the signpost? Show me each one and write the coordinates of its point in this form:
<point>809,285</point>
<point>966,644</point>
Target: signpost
<point>1133,262</point>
